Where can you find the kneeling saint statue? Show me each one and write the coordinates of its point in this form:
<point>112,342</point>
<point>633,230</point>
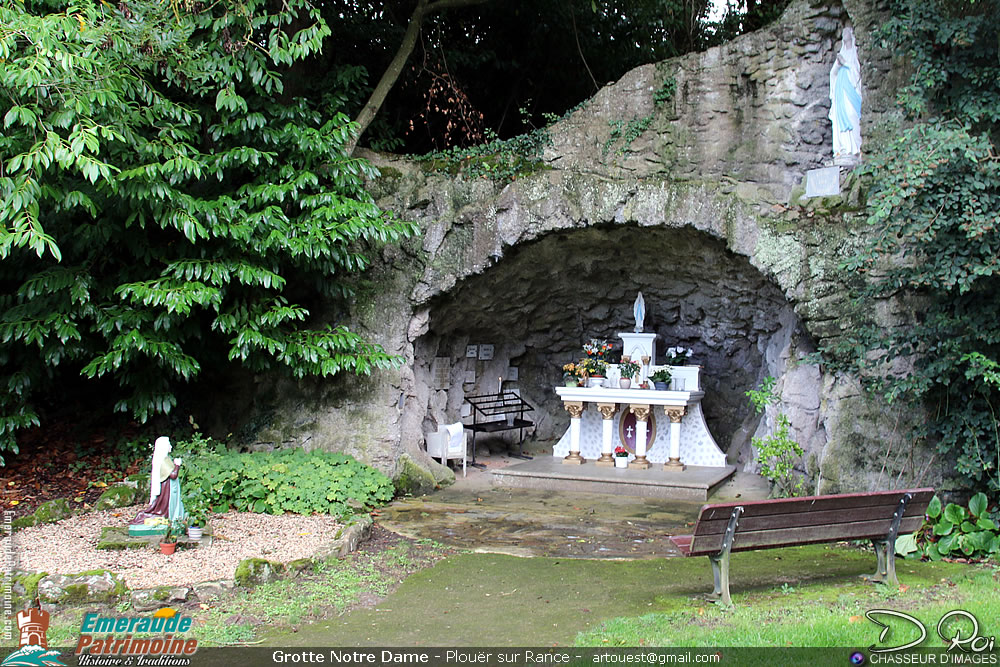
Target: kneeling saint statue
<point>164,488</point>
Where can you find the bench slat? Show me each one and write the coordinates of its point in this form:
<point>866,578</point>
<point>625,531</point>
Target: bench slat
<point>761,539</point>
<point>831,502</point>
<point>808,518</point>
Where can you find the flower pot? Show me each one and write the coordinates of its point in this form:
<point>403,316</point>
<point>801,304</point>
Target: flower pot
<point>572,383</point>
<point>625,383</point>
<point>595,381</point>
<point>661,386</point>
<point>621,461</point>
<point>167,548</point>
<point>195,532</point>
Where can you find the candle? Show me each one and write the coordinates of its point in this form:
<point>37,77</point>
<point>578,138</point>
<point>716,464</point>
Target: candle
<point>500,385</point>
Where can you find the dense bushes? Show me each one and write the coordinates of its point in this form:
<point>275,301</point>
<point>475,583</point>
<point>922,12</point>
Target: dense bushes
<point>288,480</point>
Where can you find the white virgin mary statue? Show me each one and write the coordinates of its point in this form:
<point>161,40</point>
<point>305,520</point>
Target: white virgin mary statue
<point>845,100</point>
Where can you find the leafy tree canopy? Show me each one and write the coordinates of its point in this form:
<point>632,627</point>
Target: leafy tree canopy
<point>936,243</point>
<point>166,200</point>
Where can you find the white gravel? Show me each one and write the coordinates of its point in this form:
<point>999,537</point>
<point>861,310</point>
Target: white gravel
<point>69,546</point>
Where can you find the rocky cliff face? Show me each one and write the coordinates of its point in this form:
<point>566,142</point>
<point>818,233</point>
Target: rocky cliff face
<point>682,180</point>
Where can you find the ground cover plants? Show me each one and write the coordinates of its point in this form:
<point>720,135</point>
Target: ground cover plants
<point>285,480</point>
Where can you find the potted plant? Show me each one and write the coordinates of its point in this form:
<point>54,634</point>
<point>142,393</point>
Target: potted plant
<point>628,369</point>
<point>571,374</point>
<point>661,379</point>
<point>168,544</point>
<point>196,521</point>
<point>621,457</point>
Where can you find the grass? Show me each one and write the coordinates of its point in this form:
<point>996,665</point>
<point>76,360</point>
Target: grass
<point>830,615</point>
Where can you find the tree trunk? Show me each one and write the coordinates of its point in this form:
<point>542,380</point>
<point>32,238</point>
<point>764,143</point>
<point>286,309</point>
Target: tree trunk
<point>423,9</point>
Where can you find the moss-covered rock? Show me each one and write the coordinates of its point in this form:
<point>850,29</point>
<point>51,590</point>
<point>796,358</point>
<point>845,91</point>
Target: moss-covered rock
<point>119,495</point>
<point>413,480</point>
<point>84,587</point>
<point>50,512</point>
<point>116,538</point>
<point>255,571</point>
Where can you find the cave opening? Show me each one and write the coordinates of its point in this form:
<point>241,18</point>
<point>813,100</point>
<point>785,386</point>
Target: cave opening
<point>518,321</point>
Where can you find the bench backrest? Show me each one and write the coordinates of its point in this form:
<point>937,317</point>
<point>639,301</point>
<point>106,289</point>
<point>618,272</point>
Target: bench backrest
<point>810,520</point>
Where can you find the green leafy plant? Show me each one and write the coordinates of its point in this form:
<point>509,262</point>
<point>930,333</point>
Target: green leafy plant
<point>169,537</point>
<point>777,453</point>
<point>666,91</point>
<point>959,531</point>
<point>662,375</point>
<point>166,204</point>
<point>287,480</point>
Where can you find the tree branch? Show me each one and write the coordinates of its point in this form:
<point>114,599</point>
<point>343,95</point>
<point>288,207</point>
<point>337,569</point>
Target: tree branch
<point>423,9</point>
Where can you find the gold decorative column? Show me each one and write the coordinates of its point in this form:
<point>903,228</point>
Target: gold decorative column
<point>575,410</point>
<point>675,414</point>
<point>641,413</point>
<point>607,411</point>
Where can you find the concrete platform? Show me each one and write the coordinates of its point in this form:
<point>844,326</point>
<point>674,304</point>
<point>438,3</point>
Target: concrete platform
<point>695,483</point>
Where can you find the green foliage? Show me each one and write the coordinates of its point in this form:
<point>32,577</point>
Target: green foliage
<point>160,191</point>
<point>287,480</point>
<point>971,532</point>
<point>935,244</point>
<point>662,375</point>
<point>626,133</point>
<point>777,453</point>
<point>502,160</point>
<point>666,91</point>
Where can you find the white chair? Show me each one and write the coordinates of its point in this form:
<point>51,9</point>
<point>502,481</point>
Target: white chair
<point>449,442</point>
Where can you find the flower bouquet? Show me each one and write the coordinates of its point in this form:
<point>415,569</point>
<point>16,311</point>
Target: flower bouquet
<point>597,348</point>
<point>678,356</point>
<point>572,373</point>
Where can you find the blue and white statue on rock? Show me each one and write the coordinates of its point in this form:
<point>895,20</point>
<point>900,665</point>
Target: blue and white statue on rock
<point>845,102</point>
<point>639,310</point>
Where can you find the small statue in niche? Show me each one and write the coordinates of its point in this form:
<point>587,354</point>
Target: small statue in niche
<point>845,102</point>
<point>164,488</point>
<point>639,311</point>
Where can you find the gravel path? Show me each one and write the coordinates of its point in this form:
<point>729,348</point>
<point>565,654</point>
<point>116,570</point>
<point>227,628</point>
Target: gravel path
<point>68,546</point>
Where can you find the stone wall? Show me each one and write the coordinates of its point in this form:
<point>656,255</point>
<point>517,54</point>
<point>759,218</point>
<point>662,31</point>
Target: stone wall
<point>695,201</point>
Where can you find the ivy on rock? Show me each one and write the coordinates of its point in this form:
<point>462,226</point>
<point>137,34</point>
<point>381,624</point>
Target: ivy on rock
<point>934,259</point>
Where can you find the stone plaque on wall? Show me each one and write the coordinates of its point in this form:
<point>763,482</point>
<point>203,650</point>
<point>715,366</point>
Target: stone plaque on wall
<point>823,182</point>
<point>485,352</point>
<point>441,372</point>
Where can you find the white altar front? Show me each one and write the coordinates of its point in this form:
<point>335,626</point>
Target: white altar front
<point>656,426</point>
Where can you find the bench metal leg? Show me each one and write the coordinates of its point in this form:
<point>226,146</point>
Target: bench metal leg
<point>720,576</point>
<point>885,572</point>
<point>720,561</point>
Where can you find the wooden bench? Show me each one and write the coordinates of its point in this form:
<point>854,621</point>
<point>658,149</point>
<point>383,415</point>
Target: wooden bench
<point>765,524</point>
